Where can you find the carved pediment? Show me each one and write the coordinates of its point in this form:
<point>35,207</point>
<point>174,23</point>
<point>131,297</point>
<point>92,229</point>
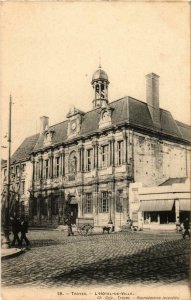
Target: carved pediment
<point>105,117</point>
<point>48,135</point>
<point>74,123</point>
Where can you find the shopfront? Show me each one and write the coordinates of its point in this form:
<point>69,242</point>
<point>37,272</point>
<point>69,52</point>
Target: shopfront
<point>159,207</point>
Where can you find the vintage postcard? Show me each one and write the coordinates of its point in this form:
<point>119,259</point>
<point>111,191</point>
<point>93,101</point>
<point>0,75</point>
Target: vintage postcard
<point>95,150</point>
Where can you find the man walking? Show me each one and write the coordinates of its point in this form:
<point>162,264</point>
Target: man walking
<point>16,228</point>
<point>24,230</point>
<point>69,223</point>
<point>186,228</point>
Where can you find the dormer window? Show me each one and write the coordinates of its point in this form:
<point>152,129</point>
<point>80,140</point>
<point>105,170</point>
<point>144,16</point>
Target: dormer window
<point>105,117</point>
<point>48,135</point>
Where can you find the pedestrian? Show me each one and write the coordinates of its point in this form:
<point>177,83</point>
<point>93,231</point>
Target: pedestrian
<point>16,228</point>
<point>186,228</point>
<point>24,230</point>
<point>70,232</point>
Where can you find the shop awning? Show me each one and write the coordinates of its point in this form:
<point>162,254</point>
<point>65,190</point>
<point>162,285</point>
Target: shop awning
<point>185,204</point>
<point>156,205</point>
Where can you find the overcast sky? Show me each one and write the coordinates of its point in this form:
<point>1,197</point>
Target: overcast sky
<point>49,52</point>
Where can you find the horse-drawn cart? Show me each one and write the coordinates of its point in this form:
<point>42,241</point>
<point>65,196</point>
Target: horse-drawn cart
<point>85,225</point>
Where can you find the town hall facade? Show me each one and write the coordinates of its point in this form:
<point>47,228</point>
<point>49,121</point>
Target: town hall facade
<point>89,160</point>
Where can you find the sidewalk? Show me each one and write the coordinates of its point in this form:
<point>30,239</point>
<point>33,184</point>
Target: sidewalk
<point>11,252</point>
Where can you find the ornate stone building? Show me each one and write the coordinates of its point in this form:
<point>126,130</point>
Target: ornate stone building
<point>91,158</point>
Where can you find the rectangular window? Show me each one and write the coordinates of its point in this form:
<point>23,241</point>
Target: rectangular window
<point>17,170</point>
<point>104,207</point>
<point>88,204</point>
<point>57,166</point>
<point>105,155</point>
<point>46,168</point>
<point>23,167</point>
<point>154,216</point>
<point>89,159</point>
<point>17,187</point>
<point>12,170</point>
<point>146,217</point>
<point>120,151</point>
<point>37,170</point>
<point>5,172</point>
<point>22,187</point>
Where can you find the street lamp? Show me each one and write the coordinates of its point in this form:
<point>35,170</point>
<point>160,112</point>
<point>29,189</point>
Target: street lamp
<point>110,220</point>
<point>6,240</point>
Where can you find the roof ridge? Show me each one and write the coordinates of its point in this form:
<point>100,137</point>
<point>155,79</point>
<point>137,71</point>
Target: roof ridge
<point>58,123</point>
<point>183,124</point>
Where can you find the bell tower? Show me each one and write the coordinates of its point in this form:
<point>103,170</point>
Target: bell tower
<point>100,84</point>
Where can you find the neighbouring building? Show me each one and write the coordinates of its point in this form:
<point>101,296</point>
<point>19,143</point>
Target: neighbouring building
<point>158,207</point>
<point>89,160</point>
<point>20,179</point>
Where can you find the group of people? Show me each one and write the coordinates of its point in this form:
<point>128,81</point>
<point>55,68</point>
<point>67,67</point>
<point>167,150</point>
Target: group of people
<point>19,226</point>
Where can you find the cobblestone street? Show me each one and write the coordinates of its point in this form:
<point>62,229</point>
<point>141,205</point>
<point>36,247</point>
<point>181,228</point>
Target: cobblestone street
<point>115,259</point>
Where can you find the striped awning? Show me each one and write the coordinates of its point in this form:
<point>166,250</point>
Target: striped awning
<point>156,205</point>
<point>185,205</point>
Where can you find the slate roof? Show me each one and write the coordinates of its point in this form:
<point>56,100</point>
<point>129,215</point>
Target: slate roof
<point>129,110</point>
<point>185,130</point>
<point>171,181</point>
<point>24,150</point>
<point>132,111</point>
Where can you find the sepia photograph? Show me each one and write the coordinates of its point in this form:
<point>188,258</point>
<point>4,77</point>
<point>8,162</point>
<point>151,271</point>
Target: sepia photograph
<point>95,150</point>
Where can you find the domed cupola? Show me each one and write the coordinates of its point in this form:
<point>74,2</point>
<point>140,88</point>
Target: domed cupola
<point>100,84</point>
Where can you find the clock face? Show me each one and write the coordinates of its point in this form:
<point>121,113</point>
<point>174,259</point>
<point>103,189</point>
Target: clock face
<point>73,126</point>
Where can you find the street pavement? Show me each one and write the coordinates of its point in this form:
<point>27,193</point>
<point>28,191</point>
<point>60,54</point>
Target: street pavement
<point>105,259</point>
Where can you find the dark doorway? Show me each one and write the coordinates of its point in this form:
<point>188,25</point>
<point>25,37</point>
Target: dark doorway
<point>74,212</point>
<point>184,215</point>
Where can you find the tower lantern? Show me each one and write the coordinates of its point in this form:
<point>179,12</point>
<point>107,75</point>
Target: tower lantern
<point>100,84</point>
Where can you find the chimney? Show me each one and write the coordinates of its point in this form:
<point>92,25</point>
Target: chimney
<point>44,123</point>
<point>152,96</point>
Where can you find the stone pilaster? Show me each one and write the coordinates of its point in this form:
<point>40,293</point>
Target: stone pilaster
<point>62,162</point>
<point>95,154</point>
<point>124,146</point>
<point>82,159</point>
<point>51,157</point>
<point>40,167</point>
